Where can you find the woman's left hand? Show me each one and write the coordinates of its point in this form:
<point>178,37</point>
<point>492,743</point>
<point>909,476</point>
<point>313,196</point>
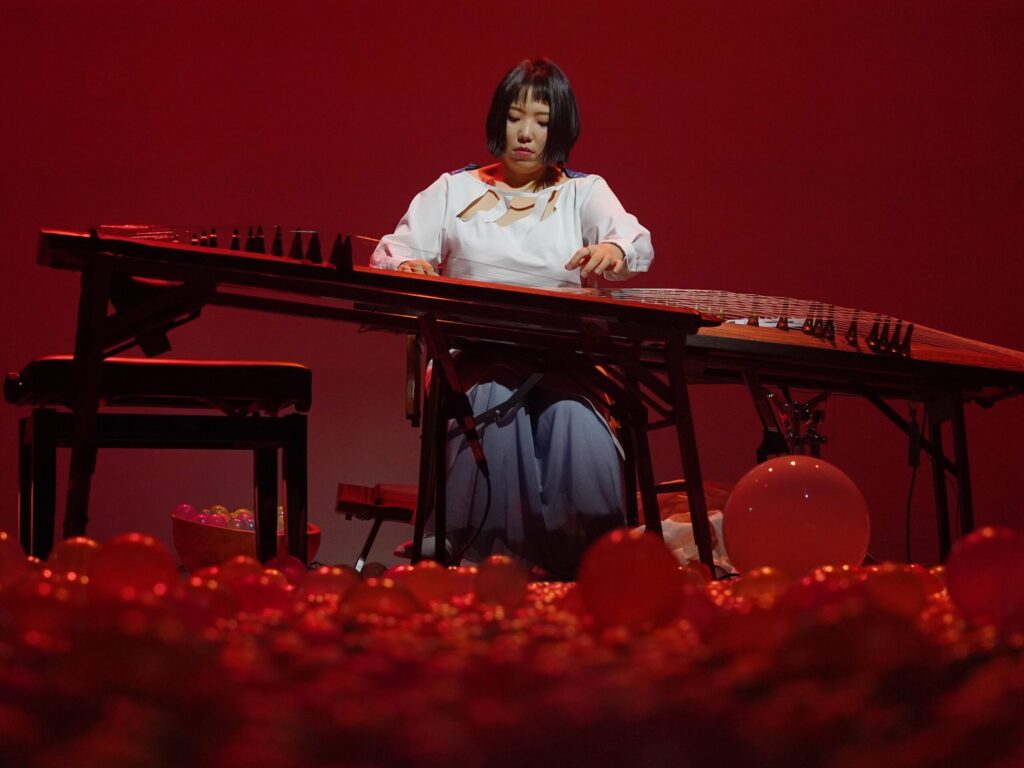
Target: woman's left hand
<point>602,259</point>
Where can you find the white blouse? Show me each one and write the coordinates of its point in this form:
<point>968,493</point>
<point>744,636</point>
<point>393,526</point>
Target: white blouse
<point>528,251</point>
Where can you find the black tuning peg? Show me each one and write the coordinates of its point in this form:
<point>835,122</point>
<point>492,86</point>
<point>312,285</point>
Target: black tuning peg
<point>884,344</point>
<point>808,326</point>
<point>277,245</point>
<point>850,337</point>
<point>828,327</point>
<point>313,251</point>
<point>872,337</point>
<point>235,240</point>
<point>341,253</point>
<point>783,323</point>
<point>818,326</point>
<point>904,349</point>
<point>295,252</point>
<point>895,341</point>
<point>259,245</point>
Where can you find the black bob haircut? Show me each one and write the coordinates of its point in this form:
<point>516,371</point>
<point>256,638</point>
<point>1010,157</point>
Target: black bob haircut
<point>543,81</point>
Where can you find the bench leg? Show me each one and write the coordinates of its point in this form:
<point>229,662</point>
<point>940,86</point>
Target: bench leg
<point>265,478</point>
<point>294,473</point>
<point>43,482</point>
<point>25,484</point>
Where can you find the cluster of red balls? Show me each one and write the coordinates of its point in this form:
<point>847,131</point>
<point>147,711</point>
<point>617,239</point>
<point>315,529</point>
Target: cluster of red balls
<point>219,516</point>
<point>109,657</point>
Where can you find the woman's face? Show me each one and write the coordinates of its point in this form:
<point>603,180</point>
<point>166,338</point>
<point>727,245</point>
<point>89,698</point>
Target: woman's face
<point>526,133</point>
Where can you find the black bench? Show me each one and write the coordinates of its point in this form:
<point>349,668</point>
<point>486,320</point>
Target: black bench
<point>250,397</point>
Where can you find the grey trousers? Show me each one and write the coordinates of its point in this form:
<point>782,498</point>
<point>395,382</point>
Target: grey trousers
<point>555,480</point>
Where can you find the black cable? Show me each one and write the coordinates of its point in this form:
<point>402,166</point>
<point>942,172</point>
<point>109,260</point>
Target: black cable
<point>457,557</point>
<point>915,462</point>
<point>910,495</point>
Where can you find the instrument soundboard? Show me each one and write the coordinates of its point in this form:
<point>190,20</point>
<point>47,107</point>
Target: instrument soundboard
<point>643,347</point>
<point>790,341</point>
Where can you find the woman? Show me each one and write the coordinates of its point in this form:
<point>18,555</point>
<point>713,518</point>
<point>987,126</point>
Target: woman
<point>555,471</point>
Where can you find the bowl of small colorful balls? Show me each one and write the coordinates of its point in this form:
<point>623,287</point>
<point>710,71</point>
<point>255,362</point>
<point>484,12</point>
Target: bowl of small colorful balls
<point>207,536</point>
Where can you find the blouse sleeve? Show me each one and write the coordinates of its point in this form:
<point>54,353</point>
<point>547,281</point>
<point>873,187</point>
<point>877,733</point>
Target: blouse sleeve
<point>604,220</point>
<point>420,233</point>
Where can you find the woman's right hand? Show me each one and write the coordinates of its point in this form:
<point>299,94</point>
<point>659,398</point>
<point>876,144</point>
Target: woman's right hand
<point>417,267</point>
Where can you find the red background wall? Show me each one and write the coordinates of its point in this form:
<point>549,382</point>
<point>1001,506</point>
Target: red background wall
<point>864,153</point>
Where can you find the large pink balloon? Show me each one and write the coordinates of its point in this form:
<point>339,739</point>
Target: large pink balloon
<point>795,513</point>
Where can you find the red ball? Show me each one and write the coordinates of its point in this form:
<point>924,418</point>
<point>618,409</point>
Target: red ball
<point>132,563</point>
<point>293,568</point>
<point>762,585</point>
<point>827,593</point>
<point>239,567</point>
<point>203,598</point>
<point>42,609</point>
<point>428,580</point>
<point>73,556</point>
<point>373,570</point>
<point>380,597</point>
<point>328,584</point>
<point>631,578</point>
<point>464,578</point>
<point>184,511</point>
<point>268,591</point>
<point>13,564</point>
<point>501,581</point>
<point>985,575</point>
<point>896,588</point>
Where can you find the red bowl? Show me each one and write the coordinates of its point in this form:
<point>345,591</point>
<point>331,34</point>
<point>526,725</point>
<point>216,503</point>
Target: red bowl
<point>199,545</point>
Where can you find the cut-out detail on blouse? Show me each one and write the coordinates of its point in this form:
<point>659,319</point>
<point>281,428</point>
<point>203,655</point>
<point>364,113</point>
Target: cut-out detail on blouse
<point>485,202</point>
<point>517,208</point>
<point>550,207</point>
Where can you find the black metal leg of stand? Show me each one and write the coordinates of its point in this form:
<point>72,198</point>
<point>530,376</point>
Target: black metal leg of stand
<point>939,495</point>
<point>294,472</point>
<point>965,504</point>
<point>25,484</point>
<point>365,553</point>
<point>425,494</point>
<point>638,471</point>
<point>448,394</point>
<point>439,449</point>
<point>645,479</point>
<point>45,429</point>
<point>265,471</point>
<point>92,312</point>
<point>688,452</point>
<point>629,478</point>
<point>37,470</point>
